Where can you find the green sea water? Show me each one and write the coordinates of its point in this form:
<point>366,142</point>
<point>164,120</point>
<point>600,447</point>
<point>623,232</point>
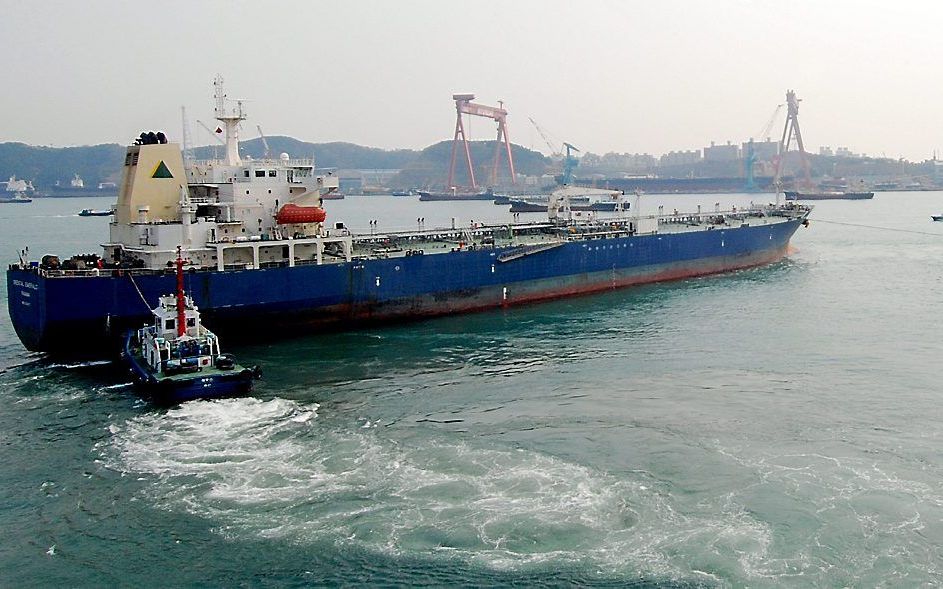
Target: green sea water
<point>774,427</point>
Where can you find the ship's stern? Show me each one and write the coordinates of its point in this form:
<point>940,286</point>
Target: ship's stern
<point>26,301</point>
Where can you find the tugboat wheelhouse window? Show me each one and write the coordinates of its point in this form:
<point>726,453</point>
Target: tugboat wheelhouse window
<point>170,324</point>
<point>260,173</point>
<point>273,173</point>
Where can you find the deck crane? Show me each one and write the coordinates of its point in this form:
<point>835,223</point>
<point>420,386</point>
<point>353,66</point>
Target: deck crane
<point>268,153</point>
<point>464,105</point>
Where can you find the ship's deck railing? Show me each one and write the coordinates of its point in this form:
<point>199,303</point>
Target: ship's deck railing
<point>305,162</point>
<point>600,228</point>
<point>600,223</point>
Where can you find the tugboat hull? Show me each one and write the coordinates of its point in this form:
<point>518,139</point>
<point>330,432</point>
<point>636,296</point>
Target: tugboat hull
<point>213,382</point>
<point>214,386</point>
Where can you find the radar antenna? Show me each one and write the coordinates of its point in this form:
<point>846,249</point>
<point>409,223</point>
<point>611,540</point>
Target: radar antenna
<point>230,116</point>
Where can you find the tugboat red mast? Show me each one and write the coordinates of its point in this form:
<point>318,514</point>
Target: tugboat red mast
<point>181,301</point>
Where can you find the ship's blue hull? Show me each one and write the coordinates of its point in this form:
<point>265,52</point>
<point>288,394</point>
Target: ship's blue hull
<point>47,312</point>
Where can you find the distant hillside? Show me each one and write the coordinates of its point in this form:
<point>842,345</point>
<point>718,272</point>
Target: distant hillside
<point>327,155</point>
<point>44,166</point>
<point>431,168</point>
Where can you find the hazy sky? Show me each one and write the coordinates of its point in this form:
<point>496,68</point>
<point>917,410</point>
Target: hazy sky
<point>606,76</point>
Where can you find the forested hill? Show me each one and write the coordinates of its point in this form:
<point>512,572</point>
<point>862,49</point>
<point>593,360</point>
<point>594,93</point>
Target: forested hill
<point>45,166</point>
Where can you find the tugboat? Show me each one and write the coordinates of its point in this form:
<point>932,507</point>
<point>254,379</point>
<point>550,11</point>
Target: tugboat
<point>177,359</point>
<point>94,213</point>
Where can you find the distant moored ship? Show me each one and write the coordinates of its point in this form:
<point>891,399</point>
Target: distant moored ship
<point>827,195</point>
<point>77,188</point>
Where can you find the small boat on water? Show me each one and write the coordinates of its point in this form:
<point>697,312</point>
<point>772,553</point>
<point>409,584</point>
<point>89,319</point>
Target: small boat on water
<point>177,359</point>
<point>937,217</point>
<point>455,194</point>
<point>18,197</point>
<point>93,213</point>
<point>576,198</point>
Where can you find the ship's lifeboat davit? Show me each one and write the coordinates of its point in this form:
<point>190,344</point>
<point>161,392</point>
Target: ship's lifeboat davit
<point>292,213</point>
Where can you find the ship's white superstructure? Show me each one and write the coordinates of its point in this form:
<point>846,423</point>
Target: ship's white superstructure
<point>224,213</point>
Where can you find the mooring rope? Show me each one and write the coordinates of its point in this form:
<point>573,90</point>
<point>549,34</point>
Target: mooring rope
<point>877,227</point>
<point>140,294</point>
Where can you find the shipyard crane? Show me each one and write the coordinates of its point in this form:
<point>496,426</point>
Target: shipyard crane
<point>790,131</point>
<point>764,133</point>
<point>268,153</point>
<point>464,105</point>
<point>554,151</point>
<point>187,139</point>
<point>750,158</point>
<point>569,162</point>
<point>213,133</point>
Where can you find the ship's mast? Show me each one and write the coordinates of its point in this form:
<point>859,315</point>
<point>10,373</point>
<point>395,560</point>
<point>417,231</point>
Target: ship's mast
<point>230,117</point>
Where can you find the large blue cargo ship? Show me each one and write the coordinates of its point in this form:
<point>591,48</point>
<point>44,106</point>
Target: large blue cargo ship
<point>46,306</point>
<point>262,260</point>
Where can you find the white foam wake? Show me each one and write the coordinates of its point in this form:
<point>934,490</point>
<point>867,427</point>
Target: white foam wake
<point>269,469</point>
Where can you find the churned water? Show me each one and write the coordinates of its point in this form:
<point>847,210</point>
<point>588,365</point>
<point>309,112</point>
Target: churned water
<point>772,427</point>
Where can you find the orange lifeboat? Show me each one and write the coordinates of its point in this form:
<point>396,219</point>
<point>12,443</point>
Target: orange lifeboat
<point>292,213</point>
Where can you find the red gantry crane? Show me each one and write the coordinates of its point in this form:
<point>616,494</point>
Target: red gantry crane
<point>464,105</point>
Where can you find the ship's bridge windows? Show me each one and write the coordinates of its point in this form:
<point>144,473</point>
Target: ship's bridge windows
<point>246,173</point>
<point>260,173</point>
<point>191,322</point>
<point>273,173</point>
<point>170,324</point>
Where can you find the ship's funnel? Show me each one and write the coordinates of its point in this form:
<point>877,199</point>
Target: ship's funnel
<point>152,177</point>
